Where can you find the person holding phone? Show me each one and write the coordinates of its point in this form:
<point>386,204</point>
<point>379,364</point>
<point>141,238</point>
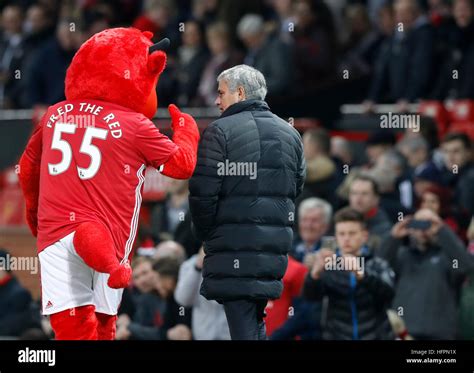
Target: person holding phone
<point>358,296</point>
<point>430,263</point>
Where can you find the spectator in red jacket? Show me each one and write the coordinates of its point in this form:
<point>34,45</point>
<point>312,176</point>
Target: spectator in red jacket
<point>279,310</point>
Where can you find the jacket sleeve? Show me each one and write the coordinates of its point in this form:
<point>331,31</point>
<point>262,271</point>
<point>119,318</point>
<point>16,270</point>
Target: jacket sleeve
<point>174,158</point>
<point>380,75</point>
<point>155,147</point>
<point>379,279</point>
<point>301,176</point>
<point>279,75</point>
<point>466,194</point>
<point>313,289</point>
<point>454,249</point>
<point>205,185</point>
<point>421,62</point>
<point>29,176</point>
<point>175,315</point>
<point>189,281</point>
<point>143,326</point>
<point>389,250</point>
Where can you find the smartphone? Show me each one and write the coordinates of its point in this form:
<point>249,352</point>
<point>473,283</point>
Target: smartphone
<point>329,242</point>
<point>419,224</point>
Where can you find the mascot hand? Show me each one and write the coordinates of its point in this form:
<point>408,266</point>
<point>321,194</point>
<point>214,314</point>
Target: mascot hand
<point>186,135</point>
<point>180,120</point>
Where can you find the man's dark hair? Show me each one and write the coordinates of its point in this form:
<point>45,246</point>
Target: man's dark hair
<point>167,267</point>
<point>362,177</point>
<point>321,137</point>
<point>458,136</point>
<point>139,260</point>
<point>348,214</point>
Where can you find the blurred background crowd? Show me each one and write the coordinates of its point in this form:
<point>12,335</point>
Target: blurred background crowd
<point>315,55</point>
<point>354,50</point>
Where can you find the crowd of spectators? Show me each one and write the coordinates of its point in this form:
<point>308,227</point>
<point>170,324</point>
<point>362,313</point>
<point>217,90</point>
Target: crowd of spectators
<point>405,50</point>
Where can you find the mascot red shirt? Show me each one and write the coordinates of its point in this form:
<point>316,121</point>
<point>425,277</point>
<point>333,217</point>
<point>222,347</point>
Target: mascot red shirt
<point>82,175</point>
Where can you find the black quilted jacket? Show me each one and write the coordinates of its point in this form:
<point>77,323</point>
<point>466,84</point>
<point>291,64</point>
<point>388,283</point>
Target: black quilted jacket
<point>250,170</point>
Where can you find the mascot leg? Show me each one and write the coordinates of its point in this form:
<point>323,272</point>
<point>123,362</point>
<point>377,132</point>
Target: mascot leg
<point>78,323</point>
<point>106,326</point>
<point>93,243</point>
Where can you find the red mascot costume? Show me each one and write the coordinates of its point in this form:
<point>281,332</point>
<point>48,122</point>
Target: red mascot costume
<point>82,175</point>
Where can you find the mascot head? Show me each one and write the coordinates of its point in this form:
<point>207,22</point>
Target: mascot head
<point>120,66</point>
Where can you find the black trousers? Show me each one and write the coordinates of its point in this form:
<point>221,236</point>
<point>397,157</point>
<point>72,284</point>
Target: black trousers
<point>245,319</point>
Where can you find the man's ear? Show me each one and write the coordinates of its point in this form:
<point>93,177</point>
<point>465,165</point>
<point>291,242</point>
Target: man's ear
<point>366,235</point>
<point>241,92</point>
<point>156,62</point>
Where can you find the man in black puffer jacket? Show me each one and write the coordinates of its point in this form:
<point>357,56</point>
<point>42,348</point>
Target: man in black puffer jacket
<point>250,169</point>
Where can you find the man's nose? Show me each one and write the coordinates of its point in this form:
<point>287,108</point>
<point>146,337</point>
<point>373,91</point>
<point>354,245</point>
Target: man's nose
<point>217,101</point>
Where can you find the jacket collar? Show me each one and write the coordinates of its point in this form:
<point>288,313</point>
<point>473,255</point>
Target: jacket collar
<point>247,105</point>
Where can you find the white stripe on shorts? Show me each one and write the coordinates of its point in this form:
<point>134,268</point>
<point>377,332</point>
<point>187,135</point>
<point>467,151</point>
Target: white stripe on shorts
<point>136,211</point>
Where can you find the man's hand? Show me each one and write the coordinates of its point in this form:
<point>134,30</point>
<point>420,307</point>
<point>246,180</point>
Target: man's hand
<point>368,107</point>
<point>436,222</point>
<point>319,262</point>
<point>122,334</point>
<point>123,320</point>
<point>350,258</point>
<point>400,229</point>
<point>403,106</point>
<point>200,258</point>
<point>309,260</point>
<point>122,328</point>
<point>179,333</point>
